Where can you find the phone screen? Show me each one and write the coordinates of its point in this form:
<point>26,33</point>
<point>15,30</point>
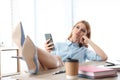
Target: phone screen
<point>49,36</point>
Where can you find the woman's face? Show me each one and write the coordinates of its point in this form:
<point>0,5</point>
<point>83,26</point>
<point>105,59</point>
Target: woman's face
<point>79,30</point>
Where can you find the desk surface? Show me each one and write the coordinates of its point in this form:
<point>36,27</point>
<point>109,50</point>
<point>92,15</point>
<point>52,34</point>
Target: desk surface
<point>48,75</point>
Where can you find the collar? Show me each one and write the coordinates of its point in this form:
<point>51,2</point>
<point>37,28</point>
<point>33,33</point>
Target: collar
<point>71,43</point>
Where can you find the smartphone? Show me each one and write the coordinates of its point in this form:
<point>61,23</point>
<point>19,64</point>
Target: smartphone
<point>49,36</point>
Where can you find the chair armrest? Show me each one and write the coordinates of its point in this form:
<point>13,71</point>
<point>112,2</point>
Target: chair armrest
<point>17,57</point>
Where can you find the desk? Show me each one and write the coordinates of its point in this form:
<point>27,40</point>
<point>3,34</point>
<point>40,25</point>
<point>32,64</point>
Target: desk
<point>11,49</point>
<point>47,75</point>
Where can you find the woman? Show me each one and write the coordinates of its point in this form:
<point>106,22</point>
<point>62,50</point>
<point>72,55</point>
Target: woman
<point>75,47</point>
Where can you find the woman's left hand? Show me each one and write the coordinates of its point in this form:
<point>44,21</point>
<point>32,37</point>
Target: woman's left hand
<point>84,40</point>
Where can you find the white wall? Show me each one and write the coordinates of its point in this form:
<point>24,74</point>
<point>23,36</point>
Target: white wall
<point>53,16</point>
<point>5,21</point>
<point>104,17</point>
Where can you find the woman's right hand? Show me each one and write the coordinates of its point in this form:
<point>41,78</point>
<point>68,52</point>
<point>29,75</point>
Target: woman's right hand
<point>49,45</point>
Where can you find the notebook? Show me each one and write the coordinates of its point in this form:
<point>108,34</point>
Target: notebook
<point>95,72</point>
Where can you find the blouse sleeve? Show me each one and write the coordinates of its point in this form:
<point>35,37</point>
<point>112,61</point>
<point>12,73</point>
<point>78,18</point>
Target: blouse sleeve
<point>91,55</point>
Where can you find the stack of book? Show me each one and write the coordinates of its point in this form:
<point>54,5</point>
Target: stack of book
<point>95,72</point>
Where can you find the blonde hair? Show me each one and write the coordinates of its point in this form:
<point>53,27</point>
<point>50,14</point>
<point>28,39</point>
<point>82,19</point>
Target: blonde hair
<point>88,31</point>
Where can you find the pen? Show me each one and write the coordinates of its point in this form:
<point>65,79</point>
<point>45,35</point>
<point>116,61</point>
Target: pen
<point>110,64</point>
<point>59,72</point>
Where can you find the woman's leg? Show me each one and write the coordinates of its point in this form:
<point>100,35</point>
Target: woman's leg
<point>48,60</point>
<point>29,53</point>
<point>37,58</point>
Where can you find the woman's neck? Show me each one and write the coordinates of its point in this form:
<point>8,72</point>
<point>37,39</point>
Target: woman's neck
<point>74,40</point>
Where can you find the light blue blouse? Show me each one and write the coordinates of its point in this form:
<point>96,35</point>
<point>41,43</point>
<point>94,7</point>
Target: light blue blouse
<point>72,50</point>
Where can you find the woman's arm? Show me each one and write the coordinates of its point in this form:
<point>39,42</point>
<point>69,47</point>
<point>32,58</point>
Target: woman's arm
<point>97,49</point>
